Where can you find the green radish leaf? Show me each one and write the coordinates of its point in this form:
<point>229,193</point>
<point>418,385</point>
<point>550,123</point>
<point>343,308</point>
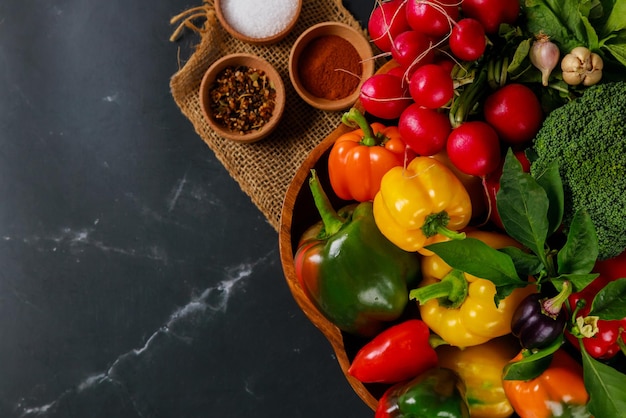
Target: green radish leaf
<point>610,301</point>
<point>580,252</point>
<point>473,256</point>
<point>551,182</point>
<point>532,364</point>
<point>616,20</point>
<point>523,206</point>
<point>605,386</point>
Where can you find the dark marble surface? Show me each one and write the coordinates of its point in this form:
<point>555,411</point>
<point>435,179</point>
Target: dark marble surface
<point>136,279</point>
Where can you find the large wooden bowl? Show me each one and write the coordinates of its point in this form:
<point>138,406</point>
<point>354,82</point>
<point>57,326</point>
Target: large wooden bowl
<point>298,214</point>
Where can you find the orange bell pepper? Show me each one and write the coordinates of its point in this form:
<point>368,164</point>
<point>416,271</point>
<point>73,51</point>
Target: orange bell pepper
<point>559,388</point>
<point>359,159</point>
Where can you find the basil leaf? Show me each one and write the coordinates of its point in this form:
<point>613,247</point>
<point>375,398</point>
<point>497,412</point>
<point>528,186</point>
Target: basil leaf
<point>580,252</point>
<point>610,301</point>
<point>605,386</point>
<point>578,281</point>
<point>531,366</point>
<point>474,257</point>
<point>551,182</point>
<point>526,264</point>
<point>523,206</point>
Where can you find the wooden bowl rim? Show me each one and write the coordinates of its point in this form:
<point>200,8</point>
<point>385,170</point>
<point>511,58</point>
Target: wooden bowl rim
<point>249,39</point>
<point>330,331</point>
<point>252,61</point>
<point>360,43</point>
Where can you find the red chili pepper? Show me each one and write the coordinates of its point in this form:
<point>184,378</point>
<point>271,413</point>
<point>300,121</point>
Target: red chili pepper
<point>603,344</point>
<point>398,353</point>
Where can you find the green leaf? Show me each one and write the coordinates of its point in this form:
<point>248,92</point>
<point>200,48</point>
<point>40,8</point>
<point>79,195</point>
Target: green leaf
<point>526,264</point>
<point>580,252</point>
<point>551,182</point>
<point>520,55</point>
<point>560,19</point>
<point>578,281</point>
<point>610,301</point>
<point>605,386</point>
<point>616,20</point>
<point>473,256</point>
<point>523,206</point>
<point>533,364</point>
<point>618,51</point>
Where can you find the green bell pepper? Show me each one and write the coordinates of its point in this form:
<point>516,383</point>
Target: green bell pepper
<point>356,277</point>
<point>438,392</point>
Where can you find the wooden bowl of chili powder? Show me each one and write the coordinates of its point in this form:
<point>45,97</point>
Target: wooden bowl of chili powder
<point>242,97</point>
<point>328,63</point>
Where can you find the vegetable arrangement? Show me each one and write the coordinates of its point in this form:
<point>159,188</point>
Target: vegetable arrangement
<point>512,303</point>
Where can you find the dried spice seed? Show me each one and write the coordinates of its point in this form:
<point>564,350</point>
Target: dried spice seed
<point>242,98</point>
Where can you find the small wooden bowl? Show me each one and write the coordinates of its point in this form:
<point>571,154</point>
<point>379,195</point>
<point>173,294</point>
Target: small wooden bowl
<point>360,43</point>
<point>238,33</point>
<point>250,61</point>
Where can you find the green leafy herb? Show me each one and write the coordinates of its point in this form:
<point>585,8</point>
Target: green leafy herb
<point>532,364</point>
<point>479,259</point>
<point>606,387</point>
<point>610,301</point>
<point>523,206</point>
<point>580,252</point>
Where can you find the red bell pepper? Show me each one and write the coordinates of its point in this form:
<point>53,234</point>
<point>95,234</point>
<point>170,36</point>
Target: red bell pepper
<point>398,353</point>
<point>612,268</point>
<point>601,338</point>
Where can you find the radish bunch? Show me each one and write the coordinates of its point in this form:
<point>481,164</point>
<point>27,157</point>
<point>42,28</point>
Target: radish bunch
<point>435,44</point>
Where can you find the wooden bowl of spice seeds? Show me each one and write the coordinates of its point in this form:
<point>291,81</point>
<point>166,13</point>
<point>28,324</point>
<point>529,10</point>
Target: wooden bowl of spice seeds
<point>258,22</point>
<point>328,63</point>
<point>242,97</point>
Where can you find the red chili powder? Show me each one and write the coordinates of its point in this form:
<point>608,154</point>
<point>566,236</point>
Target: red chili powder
<point>330,67</point>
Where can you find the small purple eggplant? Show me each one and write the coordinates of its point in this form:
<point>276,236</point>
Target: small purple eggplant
<point>539,320</point>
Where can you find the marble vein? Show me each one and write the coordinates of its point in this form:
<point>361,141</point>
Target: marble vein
<point>210,302</point>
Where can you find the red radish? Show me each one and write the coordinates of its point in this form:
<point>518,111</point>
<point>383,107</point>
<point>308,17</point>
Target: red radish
<point>467,39</point>
<point>431,86</point>
<point>387,20</point>
<point>515,113</point>
<point>411,49</point>
<point>399,72</point>
<point>384,96</point>
<point>424,130</point>
<point>474,148</point>
<point>491,13</point>
<point>432,17</point>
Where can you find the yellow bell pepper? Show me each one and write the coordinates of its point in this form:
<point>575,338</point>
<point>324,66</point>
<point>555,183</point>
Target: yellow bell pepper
<point>480,367</point>
<point>460,307</point>
<point>417,204</point>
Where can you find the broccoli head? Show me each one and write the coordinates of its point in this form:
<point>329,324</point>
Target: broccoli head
<point>587,138</point>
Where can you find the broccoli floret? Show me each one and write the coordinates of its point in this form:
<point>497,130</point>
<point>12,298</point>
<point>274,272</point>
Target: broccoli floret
<point>587,137</point>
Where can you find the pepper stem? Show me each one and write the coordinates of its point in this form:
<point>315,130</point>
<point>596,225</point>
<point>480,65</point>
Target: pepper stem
<point>451,290</point>
<point>355,119</point>
<point>331,220</point>
<point>552,306</point>
<point>435,223</point>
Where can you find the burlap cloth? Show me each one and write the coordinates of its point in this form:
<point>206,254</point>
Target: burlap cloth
<point>263,169</point>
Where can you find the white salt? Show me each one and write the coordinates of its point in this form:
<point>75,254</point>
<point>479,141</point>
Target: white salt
<point>259,19</point>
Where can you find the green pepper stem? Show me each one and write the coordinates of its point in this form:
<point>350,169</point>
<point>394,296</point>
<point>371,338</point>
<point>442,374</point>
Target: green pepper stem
<point>451,290</point>
<point>355,119</point>
<point>552,306</point>
<point>435,223</point>
<point>332,221</point>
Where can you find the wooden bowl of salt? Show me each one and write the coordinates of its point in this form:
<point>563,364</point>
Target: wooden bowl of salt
<point>259,23</point>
